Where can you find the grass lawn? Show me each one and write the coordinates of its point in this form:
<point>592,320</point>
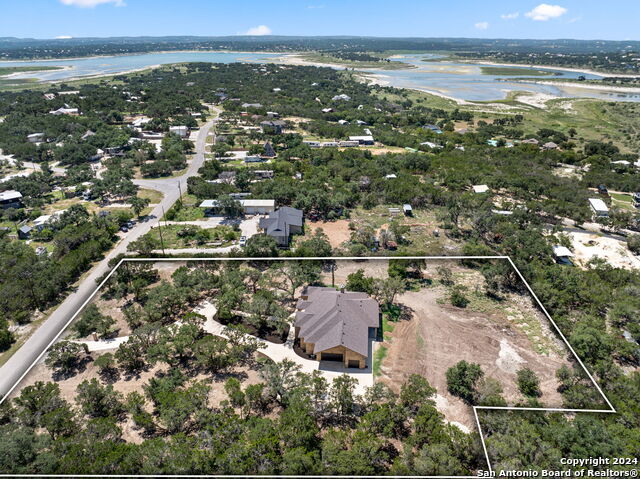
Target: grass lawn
<point>622,200</point>
<point>378,357</point>
<point>190,236</point>
<point>189,211</point>
<point>153,196</point>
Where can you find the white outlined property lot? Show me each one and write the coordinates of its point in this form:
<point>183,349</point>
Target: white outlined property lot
<point>475,408</point>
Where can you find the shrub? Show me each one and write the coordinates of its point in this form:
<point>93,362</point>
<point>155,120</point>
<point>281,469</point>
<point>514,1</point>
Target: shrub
<point>458,299</point>
<point>528,383</point>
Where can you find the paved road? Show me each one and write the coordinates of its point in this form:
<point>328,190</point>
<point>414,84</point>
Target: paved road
<point>23,359</point>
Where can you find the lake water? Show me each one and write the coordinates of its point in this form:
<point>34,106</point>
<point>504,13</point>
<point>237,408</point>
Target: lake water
<point>458,80</point>
<point>466,81</point>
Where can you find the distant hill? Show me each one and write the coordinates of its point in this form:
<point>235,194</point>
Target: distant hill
<point>31,48</point>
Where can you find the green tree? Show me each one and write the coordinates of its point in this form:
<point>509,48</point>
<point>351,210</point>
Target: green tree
<point>139,204</point>
<point>93,321</point>
<point>97,400</point>
<point>65,356</point>
<point>528,382</point>
<point>261,246</point>
<point>462,379</point>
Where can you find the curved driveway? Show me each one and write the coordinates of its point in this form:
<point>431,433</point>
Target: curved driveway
<point>33,349</point>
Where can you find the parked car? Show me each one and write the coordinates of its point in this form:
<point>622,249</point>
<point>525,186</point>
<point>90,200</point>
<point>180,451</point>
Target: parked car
<point>603,190</point>
<point>243,241</point>
<point>124,229</point>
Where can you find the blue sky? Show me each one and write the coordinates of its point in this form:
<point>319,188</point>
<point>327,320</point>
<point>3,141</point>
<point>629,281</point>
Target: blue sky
<point>580,19</point>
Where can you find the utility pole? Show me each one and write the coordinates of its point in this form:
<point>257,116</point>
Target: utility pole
<point>160,231</point>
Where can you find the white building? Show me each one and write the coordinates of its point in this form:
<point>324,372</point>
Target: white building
<point>599,208</point>
<point>35,137</point>
<point>363,140</point>
<point>250,207</point>
<point>480,188</point>
<point>182,131</point>
<point>65,111</point>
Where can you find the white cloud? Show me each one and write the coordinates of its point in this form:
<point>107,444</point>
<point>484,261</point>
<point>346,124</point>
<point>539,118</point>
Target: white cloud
<point>510,16</point>
<point>63,37</point>
<point>259,30</point>
<point>544,12</point>
<point>92,3</point>
<point>482,25</point>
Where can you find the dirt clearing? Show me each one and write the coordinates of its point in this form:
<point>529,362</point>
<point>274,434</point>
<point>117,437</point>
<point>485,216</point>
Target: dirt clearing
<point>439,335</point>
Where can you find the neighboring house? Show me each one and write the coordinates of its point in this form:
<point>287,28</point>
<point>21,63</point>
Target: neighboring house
<point>151,135</point>
<point>430,144</point>
<point>253,159</point>
<point>269,151</point>
<point>531,141</point>
<point>366,140</point>
<point>550,146</point>
<point>599,207</point>
<point>342,97</point>
<point>35,137</point>
<point>250,207</point>
<point>263,174</point>
<point>327,110</point>
<point>282,223</point>
<point>182,131</point>
<point>433,128</point>
<point>480,188</point>
<point>337,325</point>
<point>348,144</point>
<point>227,176</point>
<point>563,255</point>
<point>65,111</point>
<point>87,134</point>
<point>252,105</point>
<point>24,232</point>
<point>408,210</point>
<point>272,127</point>
<point>10,199</point>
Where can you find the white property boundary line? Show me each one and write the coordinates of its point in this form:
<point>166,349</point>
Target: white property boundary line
<point>345,258</point>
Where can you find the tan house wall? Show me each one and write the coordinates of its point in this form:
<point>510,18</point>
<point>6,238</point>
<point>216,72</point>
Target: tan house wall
<point>347,354</point>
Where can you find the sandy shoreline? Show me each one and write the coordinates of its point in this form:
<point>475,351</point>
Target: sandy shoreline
<point>18,74</point>
<point>587,86</point>
<point>547,67</point>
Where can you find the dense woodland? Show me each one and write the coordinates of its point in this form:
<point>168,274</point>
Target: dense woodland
<point>42,433</point>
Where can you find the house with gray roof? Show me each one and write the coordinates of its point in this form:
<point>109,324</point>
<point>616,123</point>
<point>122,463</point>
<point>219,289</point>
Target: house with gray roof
<point>337,325</point>
<point>282,223</point>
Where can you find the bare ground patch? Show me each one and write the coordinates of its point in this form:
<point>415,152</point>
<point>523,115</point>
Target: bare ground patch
<point>440,335</point>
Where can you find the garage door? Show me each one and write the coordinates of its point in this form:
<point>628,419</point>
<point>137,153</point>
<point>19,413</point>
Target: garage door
<point>332,357</point>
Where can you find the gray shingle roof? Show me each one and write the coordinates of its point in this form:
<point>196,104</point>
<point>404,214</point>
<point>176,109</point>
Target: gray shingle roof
<point>330,318</point>
<point>278,223</point>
